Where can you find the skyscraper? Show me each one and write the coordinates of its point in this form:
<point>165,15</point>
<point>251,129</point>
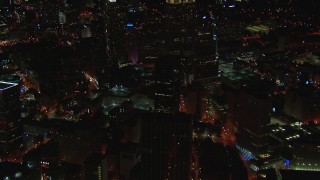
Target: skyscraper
<point>95,167</point>
<point>255,107</point>
<point>167,83</point>
<point>180,16</point>
<point>166,141</point>
<point>10,134</point>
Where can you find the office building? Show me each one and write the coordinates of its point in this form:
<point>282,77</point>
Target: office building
<point>255,106</point>
<point>10,130</point>
<point>179,20</point>
<point>95,167</point>
<point>167,83</point>
<point>302,104</point>
<point>166,143</point>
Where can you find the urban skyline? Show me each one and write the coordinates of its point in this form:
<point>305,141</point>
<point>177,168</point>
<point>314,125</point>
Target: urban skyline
<point>159,90</point>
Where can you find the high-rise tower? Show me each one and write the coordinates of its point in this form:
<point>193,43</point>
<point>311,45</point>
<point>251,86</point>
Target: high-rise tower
<point>166,141</point>
<point>10,134</point>
<point>180,20</point>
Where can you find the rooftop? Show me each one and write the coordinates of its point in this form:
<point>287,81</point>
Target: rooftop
<point>6,85</point>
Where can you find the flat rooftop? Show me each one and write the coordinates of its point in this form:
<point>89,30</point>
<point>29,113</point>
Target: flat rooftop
<point>6,85</point>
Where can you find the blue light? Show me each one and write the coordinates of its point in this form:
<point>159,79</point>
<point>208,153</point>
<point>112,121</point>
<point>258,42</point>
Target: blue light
<point>232,5</point>
<point>129,25</point>
<point>307,82</point>
<point>273,109</point>
<point>287,163</point>
<point>204,17</point>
